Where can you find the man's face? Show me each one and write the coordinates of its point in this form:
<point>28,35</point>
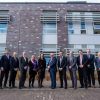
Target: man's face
<point>24,54</point>
<point>88,51</point>
<point>51,55</point>
<point>15,54</point>
<point>60,54</point>
<point>80,52</point>
<point>71,53</point>
<point>33,57</point>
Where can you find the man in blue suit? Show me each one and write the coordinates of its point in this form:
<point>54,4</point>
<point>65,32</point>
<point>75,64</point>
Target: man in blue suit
<point>52,69</point>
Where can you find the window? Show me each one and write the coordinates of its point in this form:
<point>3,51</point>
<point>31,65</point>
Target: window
<point>70,46</point>
<point>84,46</point>
<point>49,28</point>
<point>49,45</point>
<point>82,25</point>
<point>96,27</point>
<point>3,28</point>
<point>70,24</point>
<point>70,27</point>
<point>96,16</point>
<point>83,31</point>
<point>97,46</point>
<point>70,31</point>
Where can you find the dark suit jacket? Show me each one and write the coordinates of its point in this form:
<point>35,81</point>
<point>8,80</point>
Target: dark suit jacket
<point>14,63</point>
<point>23,63</point>
<point>41,64</point>
<point>63,62</point>
<point>0,63</point>
<point>90,61</point>
<point>5,62</point>
<point>72,63</point>
<point>84,61</point>
<point>53,64</point>
<point>97,63</point>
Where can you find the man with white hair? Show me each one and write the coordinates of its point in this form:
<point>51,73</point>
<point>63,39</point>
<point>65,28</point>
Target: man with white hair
<point>23,65</point>
<point>52,69</point>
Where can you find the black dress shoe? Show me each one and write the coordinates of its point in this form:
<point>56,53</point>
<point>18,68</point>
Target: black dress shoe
<point>5,87</point>
<point>65,88</point>
<point>24,87</point>
<point>10,87</point>
<point>75,88</point>
<point>89,86</point>
<point>14,86</point>
<point>61,87</point>
<point>82,87</point>
<point>20,87</point>
<point>52,88</point>
<point>42,86</point>
<point>1,87</point>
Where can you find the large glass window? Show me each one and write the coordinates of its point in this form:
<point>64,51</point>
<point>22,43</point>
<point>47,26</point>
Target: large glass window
<point>70,27</point>
<point>3,33</point>
<point>49,28</point>
<point>82,25</point>
<point>3,28</point>
<point>96,27</point>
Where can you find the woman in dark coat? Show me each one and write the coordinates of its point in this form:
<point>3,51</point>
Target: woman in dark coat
<point>41,70</point>
<point>33,67</point>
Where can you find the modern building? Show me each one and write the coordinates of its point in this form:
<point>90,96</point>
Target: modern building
<point>49,27</point>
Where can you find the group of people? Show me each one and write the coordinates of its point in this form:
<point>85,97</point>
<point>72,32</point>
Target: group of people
<point>10,65</point>
<point>83,63</point>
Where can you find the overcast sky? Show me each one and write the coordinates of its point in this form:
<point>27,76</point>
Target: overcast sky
<point>93,1</point>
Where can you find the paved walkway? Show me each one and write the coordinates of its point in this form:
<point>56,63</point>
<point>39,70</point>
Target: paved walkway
<point>48,94</point>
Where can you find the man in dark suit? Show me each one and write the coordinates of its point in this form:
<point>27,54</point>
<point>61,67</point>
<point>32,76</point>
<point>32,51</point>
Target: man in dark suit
<point>71,63</point>
<point>23,65</point>
<point>62,63</point>
<point>13,70</point>
<point>52,69</point>
<point>82,69</point>
<point>5,67</point>
<point>90,68</point>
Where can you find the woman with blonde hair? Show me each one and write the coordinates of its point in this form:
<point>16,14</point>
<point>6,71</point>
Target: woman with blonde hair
<point>33,67</point>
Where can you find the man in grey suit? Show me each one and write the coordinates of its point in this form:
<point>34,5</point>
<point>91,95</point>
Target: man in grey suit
<point>71,62</point>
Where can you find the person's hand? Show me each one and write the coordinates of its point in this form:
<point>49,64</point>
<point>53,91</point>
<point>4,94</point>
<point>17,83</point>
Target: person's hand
<point>2,69</point>
<point>15,69</point>
<point>25,67</point>
<point>60,69</point>
<point>70,67</point>
<point>81,66</point>
<point>48,67</point>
